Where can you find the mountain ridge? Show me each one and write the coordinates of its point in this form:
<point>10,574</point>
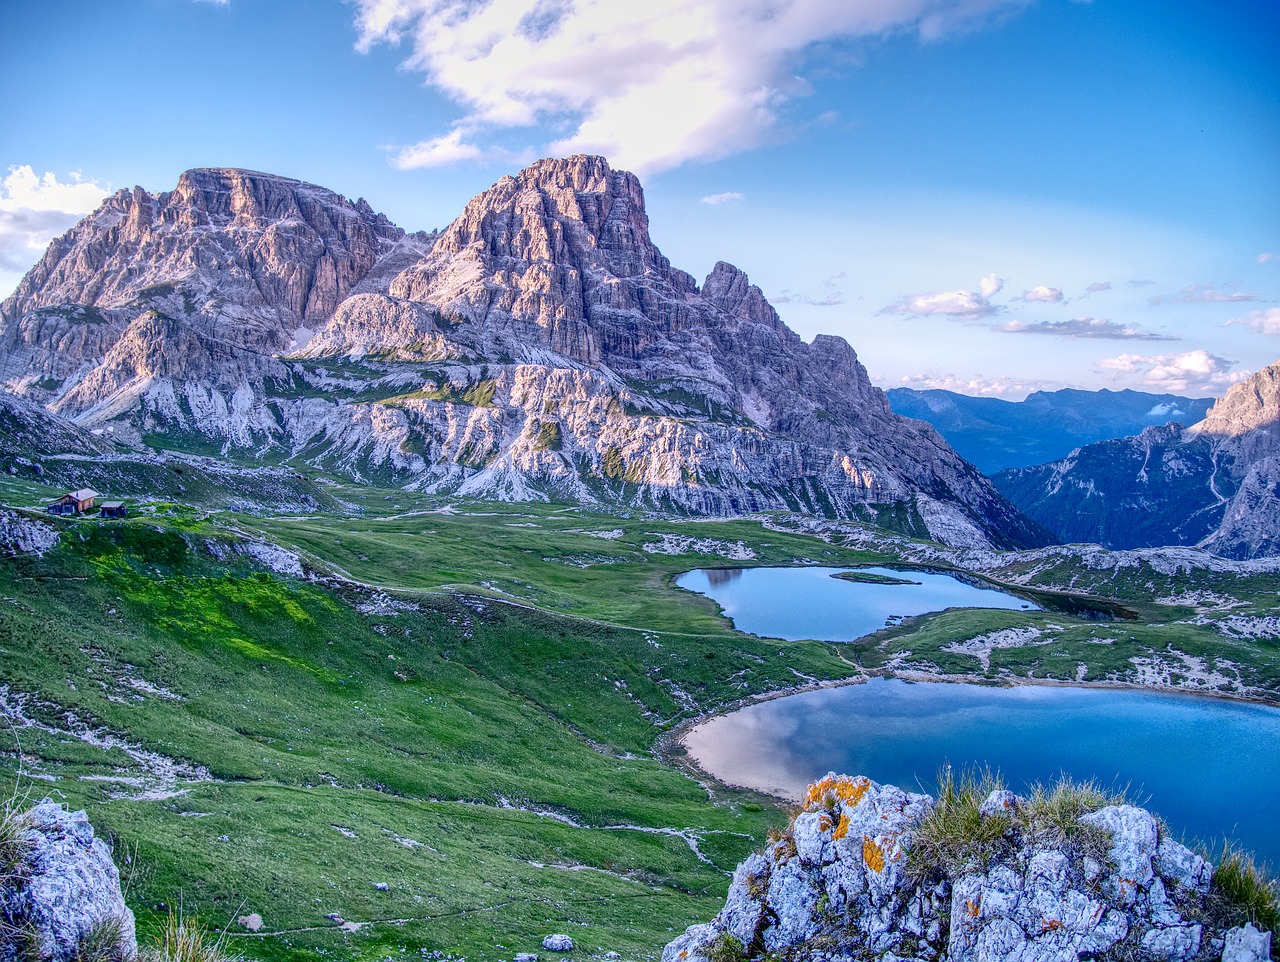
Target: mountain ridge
<point>995,434</point>
<point>539,346</point>
<point>1215,484</point>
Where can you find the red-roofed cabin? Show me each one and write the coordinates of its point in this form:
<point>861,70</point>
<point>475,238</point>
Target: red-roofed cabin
<point>74,502</point>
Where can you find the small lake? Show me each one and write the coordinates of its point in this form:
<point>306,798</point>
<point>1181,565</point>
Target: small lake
<point>1209,767</point>
<point>799,603</point>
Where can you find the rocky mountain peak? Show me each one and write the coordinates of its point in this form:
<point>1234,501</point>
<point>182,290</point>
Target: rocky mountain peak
<point>565,211</point>
<point>569,354</point>
<point>728,288</point>
<point>1250,405</point>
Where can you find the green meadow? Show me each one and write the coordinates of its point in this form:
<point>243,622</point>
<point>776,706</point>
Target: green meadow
<point>453,733</point>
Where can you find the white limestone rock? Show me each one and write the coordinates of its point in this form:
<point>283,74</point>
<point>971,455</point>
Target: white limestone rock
<point>66,886</point>
<point>23,535</point>
<point>1246,944</point>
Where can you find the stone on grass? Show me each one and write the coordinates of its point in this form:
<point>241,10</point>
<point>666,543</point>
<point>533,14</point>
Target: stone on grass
<point>558,943</point>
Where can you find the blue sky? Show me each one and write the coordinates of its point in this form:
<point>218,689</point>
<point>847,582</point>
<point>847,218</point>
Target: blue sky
<point>993,196</point>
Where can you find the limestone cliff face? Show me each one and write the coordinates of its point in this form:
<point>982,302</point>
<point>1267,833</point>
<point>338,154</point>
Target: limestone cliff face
<point>539,345</point>
<point>862,874</point>
<point>555,267</point>
<point>230,263</point>
<point>1215,484</point>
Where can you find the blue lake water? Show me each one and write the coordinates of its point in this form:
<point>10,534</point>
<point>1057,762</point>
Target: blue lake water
<point>1209,767</point>
<point>797,603</point>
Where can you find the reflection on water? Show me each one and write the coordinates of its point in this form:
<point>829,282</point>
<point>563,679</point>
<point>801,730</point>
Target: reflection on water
<point>1207,766</point>
<point>721,576</point>
<point>796,603</point>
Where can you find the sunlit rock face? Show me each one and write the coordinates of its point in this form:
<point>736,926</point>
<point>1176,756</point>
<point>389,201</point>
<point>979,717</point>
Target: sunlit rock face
<point>539,346</point>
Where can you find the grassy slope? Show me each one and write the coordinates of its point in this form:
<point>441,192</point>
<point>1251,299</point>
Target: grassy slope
<point>310,714</point>
<point>419,726</point>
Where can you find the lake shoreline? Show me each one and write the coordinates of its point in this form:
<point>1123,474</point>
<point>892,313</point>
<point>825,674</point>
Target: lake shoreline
<point>672,748</point>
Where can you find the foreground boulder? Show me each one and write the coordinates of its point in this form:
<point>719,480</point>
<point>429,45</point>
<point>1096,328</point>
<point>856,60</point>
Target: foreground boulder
<point>867,871</point>
<point>62,895</point>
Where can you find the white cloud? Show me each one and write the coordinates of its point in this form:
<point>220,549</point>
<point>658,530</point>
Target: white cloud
<point>1266,256</point>
<point>1203,294</point>
<point>1197,372</point>
<point>1084,327</point>
<point>1097,287</point>
<point>977,385</point>
<point>1169,409</point>
<point>450,149</point>
<point>35,209</point>
<point>650,85</point>
<point>1264,322</point>
<point>1049,295</point>
<point>834,299</point>
<point>728,197</point>
<point>963,305</point>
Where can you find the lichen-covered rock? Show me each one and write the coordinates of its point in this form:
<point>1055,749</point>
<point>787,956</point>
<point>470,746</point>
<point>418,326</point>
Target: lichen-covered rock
<point>558,943</point>
<point>66,888</point>
<point>841,884</point>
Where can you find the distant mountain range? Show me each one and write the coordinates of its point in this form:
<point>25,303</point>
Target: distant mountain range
<point>994,434</point>
<point>540,347</point>
<point>1215,484</point>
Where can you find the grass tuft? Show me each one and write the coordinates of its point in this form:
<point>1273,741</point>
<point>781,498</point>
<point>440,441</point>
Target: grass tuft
<point>105,942</point>
<point>1244,891</point>
<point>726,948</point>
<point>186,940</point>
<point>1052,814</point>
<point>953,838</point>
<point>15,841</point>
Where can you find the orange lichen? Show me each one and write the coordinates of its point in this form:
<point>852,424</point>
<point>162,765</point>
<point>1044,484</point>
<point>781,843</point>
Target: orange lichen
<point>827,792</point>
<point>1051,925</point>
<point>972,907</point>
<point>824,822</point>
<point>872,854</point>
<point>842,828</point>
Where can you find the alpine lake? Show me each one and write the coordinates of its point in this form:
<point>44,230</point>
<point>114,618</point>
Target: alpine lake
<point>1210,767</point>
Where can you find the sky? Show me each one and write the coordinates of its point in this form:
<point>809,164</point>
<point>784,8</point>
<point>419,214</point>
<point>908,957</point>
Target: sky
<point>988,196</point>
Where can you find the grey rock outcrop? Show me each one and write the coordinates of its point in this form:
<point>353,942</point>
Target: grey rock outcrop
<point>1215,484</point>
<point>65,890</point>
<point>846,882</point>
<point>22,535</point>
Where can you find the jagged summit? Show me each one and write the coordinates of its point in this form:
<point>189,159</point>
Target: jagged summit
<point>541,344</point>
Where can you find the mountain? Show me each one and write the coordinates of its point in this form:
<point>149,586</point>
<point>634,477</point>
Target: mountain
<point>540,346</point>
<point>995,434</point>
<point>1215,484</point>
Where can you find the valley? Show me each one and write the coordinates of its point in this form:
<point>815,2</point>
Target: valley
<point>471,702</point>
<point>387,658</point>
